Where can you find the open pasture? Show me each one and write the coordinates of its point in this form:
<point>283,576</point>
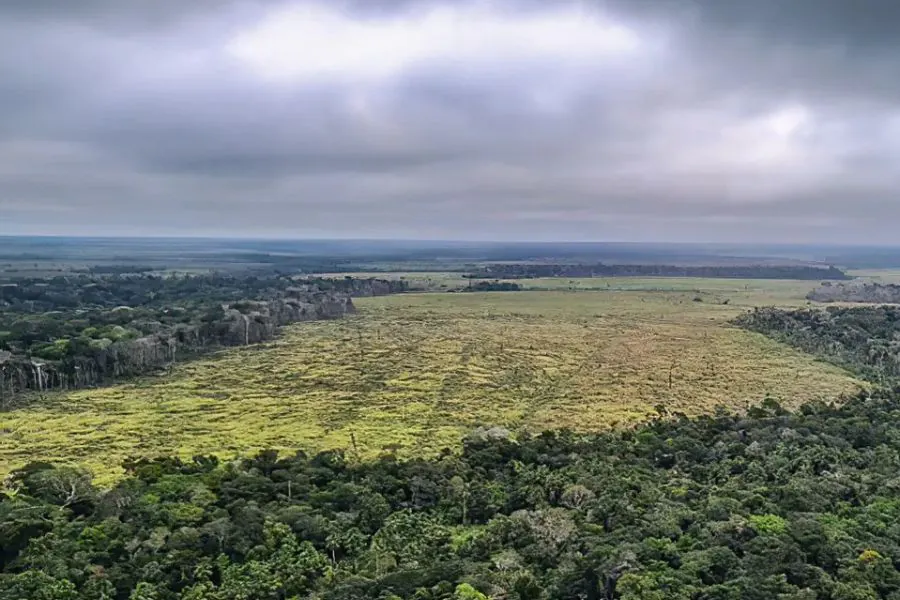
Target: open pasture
<point>412,373</point>
<point>746,292</point>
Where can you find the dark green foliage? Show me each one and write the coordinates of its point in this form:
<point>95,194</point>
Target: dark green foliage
<point>57,299</point>
<point>492,286</point>
<point>73,332</point>
<point>534,270</point>
<point>778,505</point>
<point>864,339</point>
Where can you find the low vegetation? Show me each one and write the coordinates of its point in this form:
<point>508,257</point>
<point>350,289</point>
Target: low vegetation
<point>413,373</point>
<point>769,505</point>
<point>532,270</point>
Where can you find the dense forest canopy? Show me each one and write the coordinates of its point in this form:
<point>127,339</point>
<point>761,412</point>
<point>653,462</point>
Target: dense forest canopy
<point>79,331</point>
<point>61,293</point>
<point>771,505</point>
<point>868,292</point>
<point>864,339</point>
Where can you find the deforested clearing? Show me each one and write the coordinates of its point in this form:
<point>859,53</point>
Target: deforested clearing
<point>413,373</point>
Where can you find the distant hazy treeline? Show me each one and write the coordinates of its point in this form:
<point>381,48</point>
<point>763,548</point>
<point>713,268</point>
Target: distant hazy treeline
<point>526,271</point>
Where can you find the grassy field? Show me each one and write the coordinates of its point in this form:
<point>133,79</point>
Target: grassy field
<point>752,291</point>
<point>415,372</point>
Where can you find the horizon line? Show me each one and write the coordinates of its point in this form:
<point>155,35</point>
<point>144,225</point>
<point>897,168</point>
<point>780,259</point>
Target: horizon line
<point>438,241</point>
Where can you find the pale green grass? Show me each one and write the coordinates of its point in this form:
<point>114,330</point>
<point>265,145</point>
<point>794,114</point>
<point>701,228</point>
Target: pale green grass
<point>878,275</point>
<point>749,291</point>
<point>415,372</point>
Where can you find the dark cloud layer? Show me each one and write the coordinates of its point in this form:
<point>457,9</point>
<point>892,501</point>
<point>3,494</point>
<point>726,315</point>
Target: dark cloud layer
<point>635,120</point>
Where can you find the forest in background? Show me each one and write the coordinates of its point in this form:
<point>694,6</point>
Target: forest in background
<point>23,255</point>
<point>740,271</point>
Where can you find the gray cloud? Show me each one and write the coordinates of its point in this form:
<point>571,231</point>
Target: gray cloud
<point>725,120</point>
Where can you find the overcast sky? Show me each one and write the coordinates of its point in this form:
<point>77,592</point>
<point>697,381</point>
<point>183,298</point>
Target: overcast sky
<point>627,120</point>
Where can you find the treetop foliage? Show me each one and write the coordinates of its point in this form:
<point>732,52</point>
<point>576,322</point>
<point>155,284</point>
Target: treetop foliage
<point>769,505</point>
<point>863,339</point>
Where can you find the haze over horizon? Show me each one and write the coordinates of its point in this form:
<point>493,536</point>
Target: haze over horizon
<point>664,121</point>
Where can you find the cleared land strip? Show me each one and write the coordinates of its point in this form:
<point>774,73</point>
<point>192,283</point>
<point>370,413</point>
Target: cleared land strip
<point>415,372</point>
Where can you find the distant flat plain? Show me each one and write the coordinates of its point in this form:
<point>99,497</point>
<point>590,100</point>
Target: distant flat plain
<point>413,373</point>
